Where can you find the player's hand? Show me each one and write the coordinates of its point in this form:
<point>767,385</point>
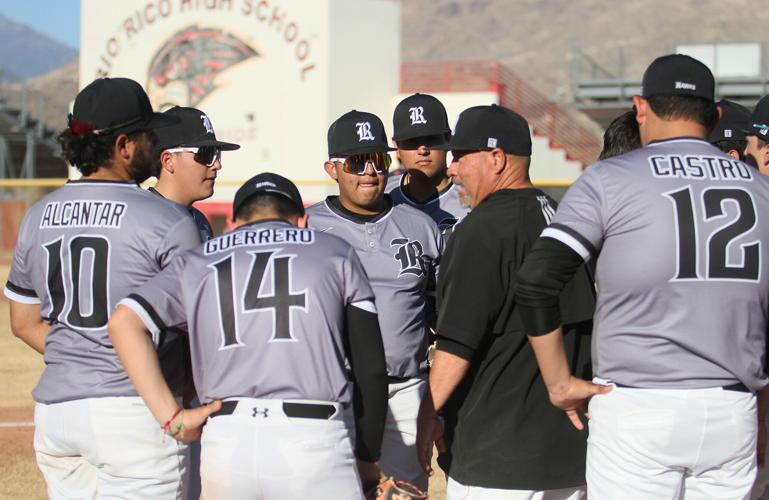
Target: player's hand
<point>573,397</point>
<point>429,431</point>
<point>761,443</point>
<point>370,475</point>
<point>194,419</point>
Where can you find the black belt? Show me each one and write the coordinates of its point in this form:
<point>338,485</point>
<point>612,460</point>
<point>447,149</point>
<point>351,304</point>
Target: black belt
<point>738,387</point>
<point>294,410</point>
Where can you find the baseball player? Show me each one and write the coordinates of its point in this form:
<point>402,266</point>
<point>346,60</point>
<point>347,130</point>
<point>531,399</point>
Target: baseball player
<point>400,248</point>
<point>757,135</point>
<point>680,333</point>
<point>189,157</point>
<point>274,313</point>
<point>729,133</point>
<point>420,124</point>
<point>80,250</point>
<point>620,136</point>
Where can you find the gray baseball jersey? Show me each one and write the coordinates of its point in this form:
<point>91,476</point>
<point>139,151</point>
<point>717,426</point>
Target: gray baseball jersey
<point>80,250</point>
<point>264,306</point>
<point>445,209</point>
<point>400,250</point>
<point>204,227</point>
<point>683,280</point>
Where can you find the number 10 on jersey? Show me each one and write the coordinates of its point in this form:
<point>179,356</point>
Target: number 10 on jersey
<point>692,241</point>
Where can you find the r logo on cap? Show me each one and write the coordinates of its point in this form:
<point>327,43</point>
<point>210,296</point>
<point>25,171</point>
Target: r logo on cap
<point>417,114</point>
<point>364,131</point>
<point>207,123</point>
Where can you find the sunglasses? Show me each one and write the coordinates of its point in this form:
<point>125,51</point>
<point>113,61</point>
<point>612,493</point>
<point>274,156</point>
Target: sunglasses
<point>357,164</point>
<point>206,155</point>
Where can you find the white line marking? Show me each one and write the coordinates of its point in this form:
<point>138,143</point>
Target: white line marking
<point>16,424</point>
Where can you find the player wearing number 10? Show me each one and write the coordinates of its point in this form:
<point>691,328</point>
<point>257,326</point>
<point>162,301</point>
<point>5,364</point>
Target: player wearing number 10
<point>682,241</point>
<point>80,250</point>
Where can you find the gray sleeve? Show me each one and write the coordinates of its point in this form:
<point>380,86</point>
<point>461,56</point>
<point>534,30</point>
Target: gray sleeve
<point>580,219</point>
<point>159,302</point>
<point>182,236</point>
<point>358,292</point>
<point>19,286</point>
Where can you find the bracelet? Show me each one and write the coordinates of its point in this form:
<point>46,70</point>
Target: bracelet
<point>168,422</point>
<point>178,428</point>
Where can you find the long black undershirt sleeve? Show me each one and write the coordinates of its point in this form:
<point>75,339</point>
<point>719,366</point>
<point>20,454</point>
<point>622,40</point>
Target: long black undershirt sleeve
<point>364,348</point>
<point>547,268</point>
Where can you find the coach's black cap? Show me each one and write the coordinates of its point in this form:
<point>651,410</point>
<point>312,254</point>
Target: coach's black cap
<point>194,129</point>
<point>483,128</point>
<point>734,120</point>
<point>357,132</point>
<point>758,124</point>
<point>677,74</point>
<point>267,182</point>
<point>419,115</point>
<point>116,105</point>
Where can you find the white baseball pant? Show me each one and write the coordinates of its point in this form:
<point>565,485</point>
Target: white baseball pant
<point>458,491</point>
<point>672,444</point>
<point>260,452</point>
<point>107,448</point>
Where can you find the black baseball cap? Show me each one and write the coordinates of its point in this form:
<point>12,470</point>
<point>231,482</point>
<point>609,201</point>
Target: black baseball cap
<point>193,129</point>
<point>117,105</point>
<point>267,182</point>
<point>758,124</point>
<point>734,120</point>
<point>419,115</point>
<point>357,132</point>
<point>483,128</point>
<point>678,74</point>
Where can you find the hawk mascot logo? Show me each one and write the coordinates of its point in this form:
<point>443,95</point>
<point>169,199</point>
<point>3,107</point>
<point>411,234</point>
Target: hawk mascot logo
<point>184,70</point>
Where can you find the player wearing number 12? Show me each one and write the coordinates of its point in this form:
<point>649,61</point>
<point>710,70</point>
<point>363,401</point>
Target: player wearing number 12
<point>80,250</point>
<point>682,241</point>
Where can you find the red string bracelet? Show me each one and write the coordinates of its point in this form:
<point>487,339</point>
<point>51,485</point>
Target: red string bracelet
<point>168,422</point>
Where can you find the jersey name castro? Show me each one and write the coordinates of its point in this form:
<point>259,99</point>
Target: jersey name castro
<point>682,254</point>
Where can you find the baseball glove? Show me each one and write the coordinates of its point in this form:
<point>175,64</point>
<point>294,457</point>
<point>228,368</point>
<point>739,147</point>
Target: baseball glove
<point>394,489</point>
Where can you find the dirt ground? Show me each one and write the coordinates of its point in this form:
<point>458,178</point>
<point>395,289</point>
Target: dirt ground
<point>20,367</point>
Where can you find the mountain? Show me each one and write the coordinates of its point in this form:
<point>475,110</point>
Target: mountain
<point>25,53</point>
<point>538,38</point>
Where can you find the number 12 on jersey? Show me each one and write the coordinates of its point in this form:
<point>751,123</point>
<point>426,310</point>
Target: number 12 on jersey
<point>718,242</point>
<point>279,303</point>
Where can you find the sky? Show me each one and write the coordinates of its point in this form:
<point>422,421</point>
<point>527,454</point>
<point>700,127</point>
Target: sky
<point>61,19</point>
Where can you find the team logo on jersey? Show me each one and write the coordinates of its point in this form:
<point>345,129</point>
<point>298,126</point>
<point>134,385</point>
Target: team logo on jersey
<point>183,71</point>
<point>410,255</point>
<point>207,123</point>
<point>417,114</point>
<point>364,131</point>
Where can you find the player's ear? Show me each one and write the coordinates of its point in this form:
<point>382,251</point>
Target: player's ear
<point>640,105</point>
<point>167,161</point>
<point>301,222</point>
<point>123,147</point>
<point>330,169</point>
<point>499,160</point>
<point>734,154</point>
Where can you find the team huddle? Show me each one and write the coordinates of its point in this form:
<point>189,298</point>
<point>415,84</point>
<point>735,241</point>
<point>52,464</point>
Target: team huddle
<point>288,358</point>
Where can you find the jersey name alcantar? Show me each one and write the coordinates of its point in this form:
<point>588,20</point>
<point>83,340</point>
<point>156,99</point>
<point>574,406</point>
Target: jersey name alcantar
<point>681,232</point>
<point>264,306</point>
<point>445,209</point>
<point>400,251</point>
<point>80,250</point>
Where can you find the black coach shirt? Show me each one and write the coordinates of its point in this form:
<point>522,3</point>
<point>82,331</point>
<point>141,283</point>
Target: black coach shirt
<point>501,430</point>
